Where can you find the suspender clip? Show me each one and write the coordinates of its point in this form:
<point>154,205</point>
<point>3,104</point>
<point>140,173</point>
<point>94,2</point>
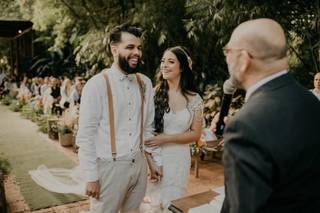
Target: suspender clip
<point>114,156</point>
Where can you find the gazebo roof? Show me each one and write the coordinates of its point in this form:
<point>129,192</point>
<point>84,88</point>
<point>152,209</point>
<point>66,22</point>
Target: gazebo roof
<point>12,29</point>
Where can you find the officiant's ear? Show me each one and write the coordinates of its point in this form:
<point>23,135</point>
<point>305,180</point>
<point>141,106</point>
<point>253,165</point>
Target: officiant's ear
<point>245,61</point>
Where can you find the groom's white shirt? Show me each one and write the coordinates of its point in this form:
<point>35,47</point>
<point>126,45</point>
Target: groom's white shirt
<point>93,136</point>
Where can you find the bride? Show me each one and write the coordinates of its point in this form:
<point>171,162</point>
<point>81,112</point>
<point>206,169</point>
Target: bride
<point>178,122</point>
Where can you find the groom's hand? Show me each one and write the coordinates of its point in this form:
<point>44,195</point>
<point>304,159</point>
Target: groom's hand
<point>93,189</point>
<point>156,174</point>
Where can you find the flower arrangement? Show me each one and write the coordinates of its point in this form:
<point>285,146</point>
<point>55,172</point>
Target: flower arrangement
<point>65,129</point>
<point>66,137</point>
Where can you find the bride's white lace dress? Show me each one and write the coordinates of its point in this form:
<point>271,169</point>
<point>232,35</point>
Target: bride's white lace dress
<point>176,158</point>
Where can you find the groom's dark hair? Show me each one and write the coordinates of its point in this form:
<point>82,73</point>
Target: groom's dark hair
<point>115,35</point>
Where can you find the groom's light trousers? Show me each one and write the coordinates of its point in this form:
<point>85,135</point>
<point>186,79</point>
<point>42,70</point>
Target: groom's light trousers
<point>123,184</point>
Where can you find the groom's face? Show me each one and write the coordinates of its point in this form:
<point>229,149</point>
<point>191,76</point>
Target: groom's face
<point>127,53</point>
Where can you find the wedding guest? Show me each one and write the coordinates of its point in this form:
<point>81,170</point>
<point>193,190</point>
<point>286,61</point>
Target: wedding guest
<point>77,91</point>
<point>66,97</point>
<point>316,83</point>
<point>24,94</point>
<point>45,85</point>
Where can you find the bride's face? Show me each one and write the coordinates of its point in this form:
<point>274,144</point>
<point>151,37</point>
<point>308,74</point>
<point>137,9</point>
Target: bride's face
<point>170,66</point>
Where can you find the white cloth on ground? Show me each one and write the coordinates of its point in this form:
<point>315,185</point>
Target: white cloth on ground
<point>60,180</point>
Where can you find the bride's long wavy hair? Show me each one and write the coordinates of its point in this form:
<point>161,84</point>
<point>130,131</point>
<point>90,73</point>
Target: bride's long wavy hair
<point>187,85</point>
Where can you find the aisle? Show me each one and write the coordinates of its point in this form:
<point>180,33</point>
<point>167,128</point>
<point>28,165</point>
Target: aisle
<point>25,149</point>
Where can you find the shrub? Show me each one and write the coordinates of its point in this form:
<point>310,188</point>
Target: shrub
<point>5,166</point>
<point>16,105</point>
<point>6,100</point>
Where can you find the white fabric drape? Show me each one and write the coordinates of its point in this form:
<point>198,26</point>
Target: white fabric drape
<point>60,180</point>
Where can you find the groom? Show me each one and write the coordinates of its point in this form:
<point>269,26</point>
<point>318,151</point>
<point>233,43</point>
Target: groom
<point>116,112</point>
<point>271,156</point>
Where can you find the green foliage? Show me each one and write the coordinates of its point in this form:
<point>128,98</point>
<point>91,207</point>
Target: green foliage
<point>79,30</point>
<point>16,105</point>
<point>211,99</point>
<point>212,102</point>
<point>28,112</point>
<point>5,166</point>
<point>64,129</point>
<point>42,122</point>
<point>6,100</point>
<point>9,9</point>
<point>46,14</point>
<point>25,111</point>
<point>300,20</point>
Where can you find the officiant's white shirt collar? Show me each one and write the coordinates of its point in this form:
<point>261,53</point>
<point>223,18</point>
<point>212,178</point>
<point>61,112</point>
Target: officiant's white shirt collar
<point>263,81</point>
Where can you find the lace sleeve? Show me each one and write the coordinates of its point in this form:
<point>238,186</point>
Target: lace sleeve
<point>196,106</point>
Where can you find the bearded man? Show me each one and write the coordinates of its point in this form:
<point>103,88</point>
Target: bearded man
<point>116,113</point>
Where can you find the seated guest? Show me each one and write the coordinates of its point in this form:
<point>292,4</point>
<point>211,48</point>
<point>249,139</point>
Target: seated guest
<point>24,93</point>
<point>316,82</point>
<point>3,78</point>
<point>77,90</point>
<point>56,95</point>
<point>45,85</point>
<point>47,101</point>
<point>66,98</point>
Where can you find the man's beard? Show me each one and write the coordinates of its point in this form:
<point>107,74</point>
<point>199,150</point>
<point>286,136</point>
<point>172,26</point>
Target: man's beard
<point>234,77</point>
<point>125,66</point>
<point>235,81</point>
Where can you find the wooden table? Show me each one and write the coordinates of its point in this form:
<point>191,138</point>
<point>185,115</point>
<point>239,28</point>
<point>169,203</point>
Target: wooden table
<point>183,205</point>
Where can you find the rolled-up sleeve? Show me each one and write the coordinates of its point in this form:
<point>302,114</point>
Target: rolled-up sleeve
<point>149,110</point>
<point>149,124</point>
<point>90,117</point>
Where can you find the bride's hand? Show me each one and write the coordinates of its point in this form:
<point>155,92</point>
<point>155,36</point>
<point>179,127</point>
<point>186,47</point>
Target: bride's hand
<point>156,141</point>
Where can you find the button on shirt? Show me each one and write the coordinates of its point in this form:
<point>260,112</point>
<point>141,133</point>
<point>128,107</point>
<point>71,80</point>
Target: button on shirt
<point>93,136</point>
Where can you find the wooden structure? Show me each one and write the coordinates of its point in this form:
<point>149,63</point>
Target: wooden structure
<point>183,205</point>
<point>209,147</point>
<point>19,35</point>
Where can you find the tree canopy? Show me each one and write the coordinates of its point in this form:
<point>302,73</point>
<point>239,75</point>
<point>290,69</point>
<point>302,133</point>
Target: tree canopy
<point>71,35</point>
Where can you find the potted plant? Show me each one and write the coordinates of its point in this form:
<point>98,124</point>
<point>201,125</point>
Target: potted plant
<point>4,170</point>
<point>66,137</point>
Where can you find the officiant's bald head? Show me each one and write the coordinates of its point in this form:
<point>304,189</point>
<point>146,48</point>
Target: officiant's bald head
<point>264,37</point>
<point>256,49</point>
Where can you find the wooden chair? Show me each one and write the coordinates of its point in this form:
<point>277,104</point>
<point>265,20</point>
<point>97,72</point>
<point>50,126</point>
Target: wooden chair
<point>208,147</point>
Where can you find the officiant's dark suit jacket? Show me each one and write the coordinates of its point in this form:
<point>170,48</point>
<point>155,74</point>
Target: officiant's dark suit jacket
<point>272,151</point>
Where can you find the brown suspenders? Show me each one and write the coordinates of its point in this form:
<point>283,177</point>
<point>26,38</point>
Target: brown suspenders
<point>111,114</point>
